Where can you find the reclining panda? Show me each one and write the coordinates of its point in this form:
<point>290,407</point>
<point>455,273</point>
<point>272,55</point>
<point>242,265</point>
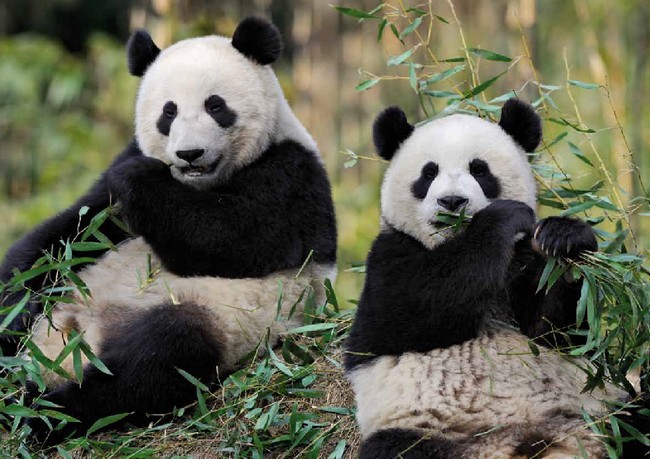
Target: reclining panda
<point>438,355</point>
<point>232,213</point>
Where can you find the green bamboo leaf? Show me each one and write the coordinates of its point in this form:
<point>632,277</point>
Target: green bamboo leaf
<point>396,32</point>
<point>489,55</point>
<point>381,28</point>
<point>583,85</point>
<point>579,154</point>
<point>443,94</point>
<point>397,60</point>
<point>367,84</point>
<point>195,382</point>
<point>107,421</point>
<point>338,451</point>
<point>409,30</point>
<point>354,13</point>
<point>482,87</point>
<point>550,265</point>
<point>441,19</point>
<point>557,139</point>
<point>574,209</point>
<point>312,328</point>
<point>413,78</point>
<point>441,76</point>
<point>418,12</point>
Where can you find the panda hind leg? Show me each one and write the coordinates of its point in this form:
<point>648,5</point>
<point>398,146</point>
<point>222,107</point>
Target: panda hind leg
<point>144,354</point>
<point>407,444</point>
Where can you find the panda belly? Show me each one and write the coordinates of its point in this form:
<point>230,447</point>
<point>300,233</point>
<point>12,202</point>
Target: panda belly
<point>490,394</point>
<point>131,280</point>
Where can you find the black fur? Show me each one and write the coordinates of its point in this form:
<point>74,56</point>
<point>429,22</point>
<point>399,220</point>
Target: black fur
<point>408,444</point>
<point>389,130</point>
<point>167,117</point>
<point>481,172</point>
<point>143,353</point>
<point>269,216</point>
<point>258,39</point>
<point>420,187</point>
<point>47,237</point>
<point>520,121</point>
<point>548,316</point>
<point>218,109</point>
<point>416,299</point>
<point>141,52</point>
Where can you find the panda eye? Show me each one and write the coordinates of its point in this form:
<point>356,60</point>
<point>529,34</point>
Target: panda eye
<point>170,110</point>
<point>478,168</point>
<point>430,171</point>
<point>213,104</point>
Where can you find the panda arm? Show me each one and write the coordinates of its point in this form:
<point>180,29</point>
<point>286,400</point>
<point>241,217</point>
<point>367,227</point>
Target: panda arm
<point>417,299</point>
<point>48,236</point>
<point>252,226</point>
<point>547,316</point>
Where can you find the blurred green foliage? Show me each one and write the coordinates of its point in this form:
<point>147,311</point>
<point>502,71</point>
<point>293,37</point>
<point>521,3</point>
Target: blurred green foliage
<point>62,119</point>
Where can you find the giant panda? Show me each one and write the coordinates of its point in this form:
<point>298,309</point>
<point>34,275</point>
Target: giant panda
<point>231,229</point>
<point>438,355</point>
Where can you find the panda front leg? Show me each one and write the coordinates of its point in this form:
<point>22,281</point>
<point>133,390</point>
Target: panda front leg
<point>47,236</point>
<point>143,353</point>
<point>546,316</point>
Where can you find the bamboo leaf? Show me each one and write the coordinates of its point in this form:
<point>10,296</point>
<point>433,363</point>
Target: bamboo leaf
<point>367,84</point>
<point>489,55</point>
<point>583,85</point>
<point>413,79</point>
<point>397,60</point>
<point>409,30</point>
<point>107,421</point>
<point>354,13</point>
<point>579,154</point>
<point>482,87</point>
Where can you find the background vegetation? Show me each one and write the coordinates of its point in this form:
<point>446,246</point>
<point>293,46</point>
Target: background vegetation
<point>66,103</point>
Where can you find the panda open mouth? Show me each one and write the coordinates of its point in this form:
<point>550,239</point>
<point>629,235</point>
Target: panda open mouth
<point>198,171</point>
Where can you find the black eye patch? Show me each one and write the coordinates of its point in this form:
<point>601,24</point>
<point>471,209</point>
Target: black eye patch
<point>169,112</point>
<point>217,108</point>
<point>484,177</point>
<point>420,187</point>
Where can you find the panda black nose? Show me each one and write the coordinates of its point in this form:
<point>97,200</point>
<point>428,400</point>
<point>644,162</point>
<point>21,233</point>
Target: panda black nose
<point>189,155</point>
<point>452,203</point>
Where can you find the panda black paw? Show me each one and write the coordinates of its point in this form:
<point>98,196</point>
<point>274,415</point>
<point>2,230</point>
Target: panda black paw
<point>128,176</point>
<point>506,216</point>
<point>564,237</point>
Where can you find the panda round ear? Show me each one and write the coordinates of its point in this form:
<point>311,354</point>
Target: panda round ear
<point>389,130</point>
<point>520,122</point>
<point>258,39</point>
<point>141,52</point>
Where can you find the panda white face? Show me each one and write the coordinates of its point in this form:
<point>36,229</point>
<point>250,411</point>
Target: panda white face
<point>205,109</point>
<point>451,163</point>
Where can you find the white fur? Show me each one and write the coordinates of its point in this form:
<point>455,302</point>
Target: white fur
<point>190,71</point>
<point>244,310</point>
<point>452,143</point>
<point>493,380</point>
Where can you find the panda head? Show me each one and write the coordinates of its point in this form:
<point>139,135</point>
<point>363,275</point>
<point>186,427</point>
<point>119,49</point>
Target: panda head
<point>453,162</point>
<point>207,106</point>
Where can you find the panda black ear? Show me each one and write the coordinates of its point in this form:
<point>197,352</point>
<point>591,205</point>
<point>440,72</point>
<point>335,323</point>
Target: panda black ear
<point>258,39</point>
<point>389,130</point>
<point>141,52</point>
<point>520,122</point>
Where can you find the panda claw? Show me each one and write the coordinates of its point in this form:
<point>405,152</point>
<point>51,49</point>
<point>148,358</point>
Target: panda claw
<point>537,231</point>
